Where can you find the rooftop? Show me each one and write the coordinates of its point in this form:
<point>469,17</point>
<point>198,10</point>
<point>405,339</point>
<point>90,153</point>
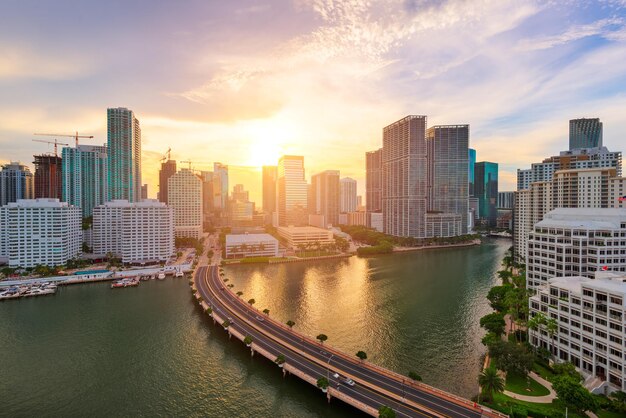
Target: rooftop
<point>302,229</point>
<point>607,281</point>
<point>248,238</point>
<point>588,218</point>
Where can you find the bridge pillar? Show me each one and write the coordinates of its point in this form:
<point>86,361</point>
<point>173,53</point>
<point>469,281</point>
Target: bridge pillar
<point>229,334</point>
<point>328,396</point>
<point>284,372</point>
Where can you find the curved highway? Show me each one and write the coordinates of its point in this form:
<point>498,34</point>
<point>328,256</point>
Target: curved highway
<point>374,386</point>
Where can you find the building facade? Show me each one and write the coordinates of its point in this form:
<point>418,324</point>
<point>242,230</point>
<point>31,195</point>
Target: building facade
<point>269,188</point>
<point>140,232</point>
<point>374,181</point>
<point>85,177</point>
<point>591,315</point>
<point>185,196</point>
<point>303,237</point>
<point>291,191</point>
<point>347,195</point>
<point>486,191</point>
<point>16,182</point>
<point>470,173</point>
<point>124,152</point>
<point>251,245</point>
<point>585,133</point>
<point>506,200</point>
<point>575,242</point>
<point>48,176</point>
<point>168,169</point>
<point>40,231</point>
<point>448,161</point>
<point>325,196</point>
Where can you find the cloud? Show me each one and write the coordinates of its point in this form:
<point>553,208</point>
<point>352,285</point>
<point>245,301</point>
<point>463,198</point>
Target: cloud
<point>24,62</point>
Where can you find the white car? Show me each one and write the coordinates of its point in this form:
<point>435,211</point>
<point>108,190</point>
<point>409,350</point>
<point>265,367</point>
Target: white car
<point>348,381</point>
<point>336,375</point>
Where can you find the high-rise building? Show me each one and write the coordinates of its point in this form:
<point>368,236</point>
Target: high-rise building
<point>590,334</point>
<point>168,169</point>
<point>16,182</point>
<point>269,188</point>
<point>85,177</point>
<point>40,231</point>
<point>470,173</point>
<point>241,209</point>
<point>48,177</point>
<point>291,191</point>
<point>585,133</point>
<point>505,200</point>
<point>220,187</point>
<point>448,160</point>
<point>124,148</point>
<point>575,242</point>
<point>185,196</point>
<point>207,194</point>
<point>569,160</point>
<point>486,190</point>
<point>405,191</point>
<point>140,232</point>
<point>144,191</point>
<point>325,195</point>
<point>374,180</point>
<point>347,195</point>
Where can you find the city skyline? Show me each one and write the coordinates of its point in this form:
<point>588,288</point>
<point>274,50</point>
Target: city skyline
<point>55,82</point>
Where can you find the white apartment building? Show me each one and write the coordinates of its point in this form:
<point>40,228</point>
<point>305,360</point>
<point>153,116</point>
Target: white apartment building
<point>576,188</point>
<point>591,316</point>
<point>347,201</point>
<point>617,192</point>
<point>184,191</point>
<point>40,231</point>
<point>576,242</point>
<point>251,245</point>
<point>299,236</point>
<point>136,232</point>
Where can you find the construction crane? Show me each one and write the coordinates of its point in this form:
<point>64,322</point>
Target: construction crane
<point>188,162</point>
<point>51,142</point>
<point>75,136</point>
<point>168,154</point>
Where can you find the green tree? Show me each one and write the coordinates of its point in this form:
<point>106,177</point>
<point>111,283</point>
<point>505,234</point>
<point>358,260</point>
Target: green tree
<point>322,338</point>
<point>386,412</point>
<point>248,340</point>
<point>322,383</point>
<point>573,394</point>
<point>496,297</point>
<point>490,382</point>
<point>290,323</point>
<point>511,357</point>
<point>505,276</point>
<point>361,355</point>
<point>266,311</point>
<point>567,369</point>
<point>414,376</point>
<point>226,324</point>
<point>240,293</point>
<point>552,327</point>
<point>280,359</point>
<point>494,323</point>
<point>208,310</point>
<point>251,301</point>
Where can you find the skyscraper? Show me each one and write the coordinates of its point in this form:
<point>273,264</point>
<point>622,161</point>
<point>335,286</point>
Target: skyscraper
<point>291,191</point>
<point>185,195</point>
<point>470,173</point>
<point>348,195</point>
<point>85,180</point>
<point>207,194</point>
<point>373,180</point>
<point>585,133</point>
<point>269,188</point>
<point>144,191</point>
<point>168,169</point>
<point>325,195</point>
<point>405,191</point>
<point>220,187</point>
<point>124,147</point>
<point>486,190</point>
<point>448,160</point>
<point>16,182</point>
<point>48,176</point>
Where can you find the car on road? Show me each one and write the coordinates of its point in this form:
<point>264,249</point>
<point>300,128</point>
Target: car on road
<point>348,381</point>
<point>336,375</point>
<point>259,319</point>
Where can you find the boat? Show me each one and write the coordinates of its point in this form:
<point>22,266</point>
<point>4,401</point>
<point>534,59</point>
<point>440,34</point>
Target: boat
<point>161,275</point>
<point>179,273</point>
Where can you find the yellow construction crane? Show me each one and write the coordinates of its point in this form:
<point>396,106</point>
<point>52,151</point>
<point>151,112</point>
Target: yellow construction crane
<point>55,142</point>
<point>75,136</point>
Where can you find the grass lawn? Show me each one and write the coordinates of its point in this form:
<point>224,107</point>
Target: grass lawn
<point>519,384</point>
<point>503,404</point>
<point>543,371</point>
<point>608,414</point>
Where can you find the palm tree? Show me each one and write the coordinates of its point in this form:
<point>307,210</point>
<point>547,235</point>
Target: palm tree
<point>251,302</point>
<point>322,338</point>
<point>266,311</point>
<point>239,293</point>
<point>491,382</point>
<point>362,355</point>
<point>290,323</point>
<point>552,327</point>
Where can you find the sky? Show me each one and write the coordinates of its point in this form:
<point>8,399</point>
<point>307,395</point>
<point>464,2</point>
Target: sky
<point>243,82</point>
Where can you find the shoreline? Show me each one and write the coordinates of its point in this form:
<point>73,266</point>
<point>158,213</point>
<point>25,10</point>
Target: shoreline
<point>435,247</point>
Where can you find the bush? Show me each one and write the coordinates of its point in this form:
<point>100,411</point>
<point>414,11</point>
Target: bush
<point>518,411</point>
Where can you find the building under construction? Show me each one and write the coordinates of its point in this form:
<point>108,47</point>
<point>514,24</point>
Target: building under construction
<point>48,178</point>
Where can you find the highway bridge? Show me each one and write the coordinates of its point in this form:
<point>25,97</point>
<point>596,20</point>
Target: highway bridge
<point>309,360</point>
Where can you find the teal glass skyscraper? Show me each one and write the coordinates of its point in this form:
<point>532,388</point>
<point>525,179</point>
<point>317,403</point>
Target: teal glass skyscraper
<point>486,190</point>
<point>84,174</point>
<point>124,152</point>
<point>585,133</point>
<point>470,173</point>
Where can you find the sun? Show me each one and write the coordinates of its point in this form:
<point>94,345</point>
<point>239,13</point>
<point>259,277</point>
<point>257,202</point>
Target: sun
<point>268,139</point>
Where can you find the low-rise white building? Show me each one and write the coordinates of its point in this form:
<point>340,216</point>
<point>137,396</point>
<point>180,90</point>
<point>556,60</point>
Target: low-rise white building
<point>40,231</point>
<point>303,236</point>
<point>576,242</point>
<point>136,232</point>
<point>251,245</point>
<point>591,315</point>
